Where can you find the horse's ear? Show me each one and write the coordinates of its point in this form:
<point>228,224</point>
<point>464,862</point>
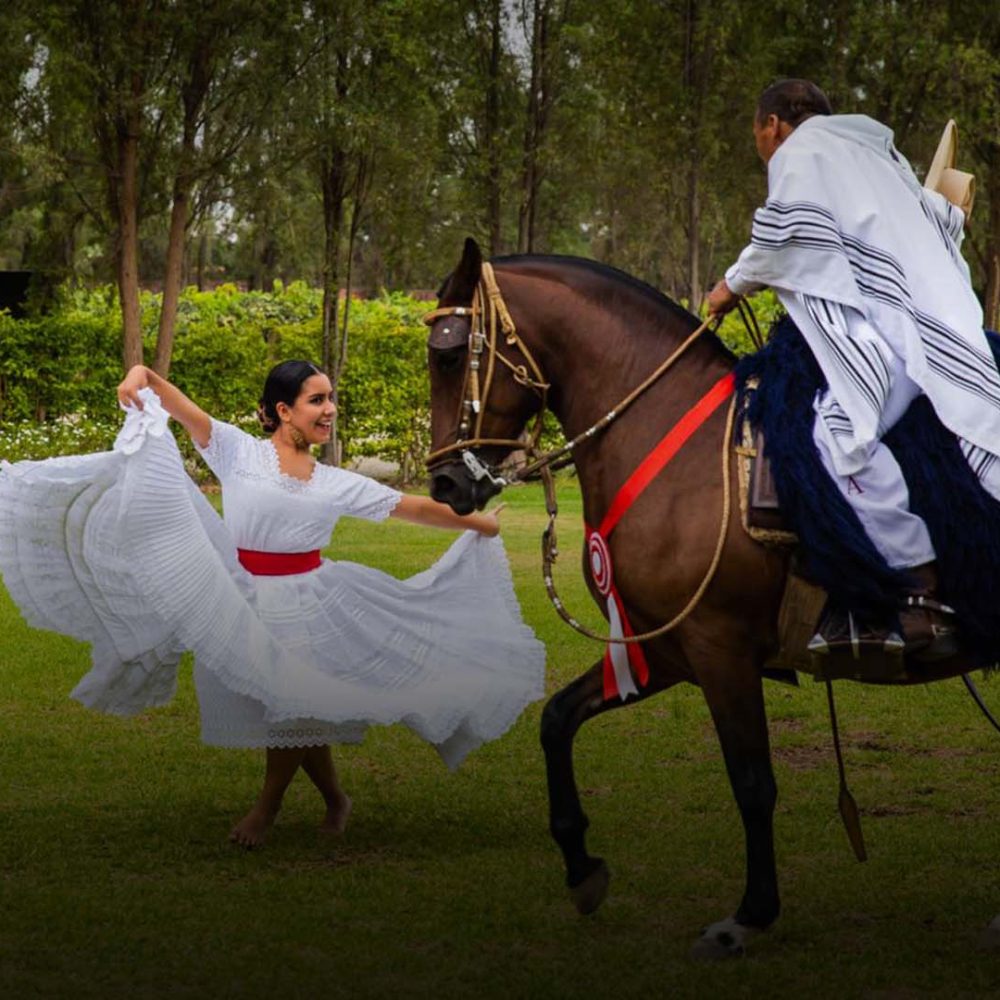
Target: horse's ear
<point>470,267</point>
<point>460,285</point>
<point>471,252</point>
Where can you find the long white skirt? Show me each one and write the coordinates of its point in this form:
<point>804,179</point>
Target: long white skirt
<point>122,551</point>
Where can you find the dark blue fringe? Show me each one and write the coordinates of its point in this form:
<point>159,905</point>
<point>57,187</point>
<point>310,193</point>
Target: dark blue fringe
<point>834,552</point>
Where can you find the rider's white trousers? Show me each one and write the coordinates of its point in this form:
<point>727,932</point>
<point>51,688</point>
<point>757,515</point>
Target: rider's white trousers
<point>870,478</point>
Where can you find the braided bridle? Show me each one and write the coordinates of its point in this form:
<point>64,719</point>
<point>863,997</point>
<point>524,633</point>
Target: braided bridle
<point>489,319</point>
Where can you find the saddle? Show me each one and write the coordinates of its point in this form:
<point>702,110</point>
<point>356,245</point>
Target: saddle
<point>804,605</point>
<point>833,555</point>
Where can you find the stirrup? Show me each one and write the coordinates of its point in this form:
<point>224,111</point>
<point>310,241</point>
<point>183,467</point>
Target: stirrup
<point>890,644</point>
<point>938,637</point>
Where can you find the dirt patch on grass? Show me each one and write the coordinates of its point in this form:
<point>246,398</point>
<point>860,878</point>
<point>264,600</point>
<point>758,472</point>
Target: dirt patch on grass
<point>599,792</point>
<point>803,758</point>
<point>785,725</point>
<point>877,743</point>
<point>878,812</point>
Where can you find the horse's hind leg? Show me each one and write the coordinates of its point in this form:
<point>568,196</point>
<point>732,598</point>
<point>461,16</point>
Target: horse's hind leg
<point>736,701</point>
<point>567,710</point>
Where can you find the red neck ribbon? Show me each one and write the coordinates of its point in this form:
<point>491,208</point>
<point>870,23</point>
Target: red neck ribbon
<point>647,470</point>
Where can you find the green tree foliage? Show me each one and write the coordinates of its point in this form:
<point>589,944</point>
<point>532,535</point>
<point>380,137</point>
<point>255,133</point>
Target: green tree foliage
<point>336,137</point>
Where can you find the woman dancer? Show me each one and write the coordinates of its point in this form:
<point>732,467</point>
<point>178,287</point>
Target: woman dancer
<point>292,652</point>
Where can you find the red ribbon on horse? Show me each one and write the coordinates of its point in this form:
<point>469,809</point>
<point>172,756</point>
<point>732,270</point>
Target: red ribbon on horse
<point>620,657</point>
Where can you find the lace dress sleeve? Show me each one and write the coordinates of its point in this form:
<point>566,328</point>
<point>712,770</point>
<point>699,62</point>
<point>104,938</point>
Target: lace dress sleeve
<point>359,496</point>
<point>221,454</point>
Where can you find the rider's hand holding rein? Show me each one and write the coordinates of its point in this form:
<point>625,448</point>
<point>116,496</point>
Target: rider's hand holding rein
<point>721,299</point>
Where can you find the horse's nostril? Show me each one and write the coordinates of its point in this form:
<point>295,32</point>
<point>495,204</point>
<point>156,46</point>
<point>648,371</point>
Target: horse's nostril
<point>442,487</point>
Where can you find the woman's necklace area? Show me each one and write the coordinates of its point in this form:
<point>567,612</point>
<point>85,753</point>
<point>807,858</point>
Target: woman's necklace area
<point>293,462</point>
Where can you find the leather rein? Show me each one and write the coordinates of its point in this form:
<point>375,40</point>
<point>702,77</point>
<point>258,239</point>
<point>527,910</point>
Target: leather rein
<point>489,316</point>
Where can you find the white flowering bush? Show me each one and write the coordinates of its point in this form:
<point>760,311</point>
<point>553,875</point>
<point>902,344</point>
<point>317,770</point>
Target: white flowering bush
<point>73,434</point>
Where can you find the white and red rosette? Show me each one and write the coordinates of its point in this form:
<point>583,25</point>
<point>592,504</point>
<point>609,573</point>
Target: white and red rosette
<point>617,653</point>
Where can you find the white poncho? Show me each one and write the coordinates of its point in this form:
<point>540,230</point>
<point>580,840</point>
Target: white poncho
<point>846,223</point>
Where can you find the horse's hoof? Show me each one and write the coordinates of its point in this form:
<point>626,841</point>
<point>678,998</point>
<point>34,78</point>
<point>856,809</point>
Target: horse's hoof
<point>722,940</point>
<point>590,893</point>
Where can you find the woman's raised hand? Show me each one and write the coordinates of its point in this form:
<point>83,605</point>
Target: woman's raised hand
<point>128,390</point>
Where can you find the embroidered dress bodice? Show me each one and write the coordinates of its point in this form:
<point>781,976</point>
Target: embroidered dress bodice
<point>269,511</point>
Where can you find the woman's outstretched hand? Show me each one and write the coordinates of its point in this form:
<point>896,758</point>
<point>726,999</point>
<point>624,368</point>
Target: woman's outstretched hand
<point>492,519</point>
<point>424,510</point>
<point>128,390</point>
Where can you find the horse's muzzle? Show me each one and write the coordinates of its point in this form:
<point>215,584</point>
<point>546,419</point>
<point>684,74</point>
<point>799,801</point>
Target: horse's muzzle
<point>451,483</point>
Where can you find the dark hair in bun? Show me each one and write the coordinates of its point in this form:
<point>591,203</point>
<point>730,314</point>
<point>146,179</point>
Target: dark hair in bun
<point>282,385</point>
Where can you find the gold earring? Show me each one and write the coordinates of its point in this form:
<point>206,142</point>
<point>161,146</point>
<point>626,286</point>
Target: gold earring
<point>296,435</point>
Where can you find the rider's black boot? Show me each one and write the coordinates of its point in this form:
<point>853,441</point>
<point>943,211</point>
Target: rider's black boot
<point>928,625</point>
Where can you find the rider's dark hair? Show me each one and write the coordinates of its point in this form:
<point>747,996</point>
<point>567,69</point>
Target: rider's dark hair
<point>282,385</point>
<point>793,101</point>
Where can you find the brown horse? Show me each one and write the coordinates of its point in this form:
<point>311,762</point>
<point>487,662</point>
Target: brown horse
<point>593,334</point>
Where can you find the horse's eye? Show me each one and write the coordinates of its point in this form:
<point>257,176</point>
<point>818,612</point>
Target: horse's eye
<point>449,360</point>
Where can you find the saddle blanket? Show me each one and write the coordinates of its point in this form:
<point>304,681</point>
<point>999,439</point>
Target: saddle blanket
<point>777,386</point>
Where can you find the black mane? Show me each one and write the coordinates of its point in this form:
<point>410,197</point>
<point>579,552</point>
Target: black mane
<point>652,296</point>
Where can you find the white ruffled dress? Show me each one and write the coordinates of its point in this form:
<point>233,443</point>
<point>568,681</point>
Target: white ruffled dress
<point>119,549</point>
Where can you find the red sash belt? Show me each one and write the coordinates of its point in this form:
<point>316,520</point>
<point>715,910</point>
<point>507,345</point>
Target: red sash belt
<point>620,663</point>
<point>278,563</point>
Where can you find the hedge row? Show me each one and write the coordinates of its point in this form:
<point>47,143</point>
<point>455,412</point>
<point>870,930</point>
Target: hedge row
<point>58,372</point>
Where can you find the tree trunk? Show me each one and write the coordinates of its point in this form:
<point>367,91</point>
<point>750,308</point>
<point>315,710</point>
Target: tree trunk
<point>694,238</point>
<point>696,72</point>
<point>334,184</point>
<point>492,130</point>
<point>203,259</point>
<point>364,169</point>
<point>127,237</point>
<point>119,127</point>
<point>172,277</point>
<point>991,301</point>
<point>533,127</point>
<point>195,89</point>
<point>268,263</point>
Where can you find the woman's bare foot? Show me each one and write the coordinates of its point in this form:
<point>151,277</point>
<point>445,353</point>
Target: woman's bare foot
<point>337,813</point>
<point>251,831</point>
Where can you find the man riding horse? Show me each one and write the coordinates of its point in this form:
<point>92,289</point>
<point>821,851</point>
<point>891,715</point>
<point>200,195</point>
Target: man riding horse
<point>867,264</point>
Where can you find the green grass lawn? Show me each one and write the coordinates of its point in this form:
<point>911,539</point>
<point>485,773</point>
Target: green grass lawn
<point>116,878</point>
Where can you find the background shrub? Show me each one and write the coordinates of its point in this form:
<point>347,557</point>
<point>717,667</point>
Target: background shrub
<point>58,372</point>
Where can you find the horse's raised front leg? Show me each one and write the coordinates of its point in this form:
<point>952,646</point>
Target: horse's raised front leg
<point>567,710</point>
<point>736,700</point>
